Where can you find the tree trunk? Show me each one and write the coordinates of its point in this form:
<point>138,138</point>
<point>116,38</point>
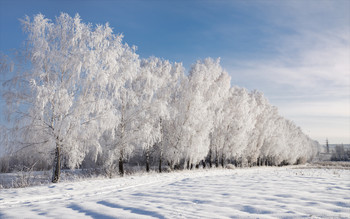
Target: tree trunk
<point>204,164</point>
<point>121,163</point>
<point>210,157</point>
<point>121,167</point>
<point>216,158</point>
<point>147,159</point>
<point>171,164</point>
<point>222,160</point>
<point>160,145</point>
<point>56,167</point>
<point>122,132</point>
<point>160,164</point>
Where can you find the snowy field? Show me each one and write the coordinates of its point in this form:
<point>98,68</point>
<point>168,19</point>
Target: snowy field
<point>285,192</point>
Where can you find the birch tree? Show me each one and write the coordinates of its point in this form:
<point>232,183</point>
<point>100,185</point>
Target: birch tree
<point>154,85</point>
<point>118,65</point>
<point>54,96</point>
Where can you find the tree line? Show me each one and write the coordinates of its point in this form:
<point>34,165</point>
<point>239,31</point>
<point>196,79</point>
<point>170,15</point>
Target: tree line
<point>81,96</point>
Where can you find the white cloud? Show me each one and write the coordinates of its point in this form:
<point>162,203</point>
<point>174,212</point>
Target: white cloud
<point>308,77</point>
<point>325,108</point>
<point>310,66</point>
<point>320,119</point>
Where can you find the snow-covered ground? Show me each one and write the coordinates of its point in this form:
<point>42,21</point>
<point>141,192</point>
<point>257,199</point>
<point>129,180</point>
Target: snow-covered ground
<point>218,193</point>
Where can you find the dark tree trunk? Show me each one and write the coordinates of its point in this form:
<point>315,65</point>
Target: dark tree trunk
<point>188,164</point>
<point>171,164</point>
<point>147,159</point>
<point>210,157</point>
<point>57,165</point>
<point>147,166</point>
<point>121,167</point>
<point>203,163</point>
<point>121,163</point>
<point>216,158</point>
<point>160,163</point>
<point>222,160</point>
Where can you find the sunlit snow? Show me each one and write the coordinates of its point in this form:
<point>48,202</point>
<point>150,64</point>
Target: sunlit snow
<point>242,193</point>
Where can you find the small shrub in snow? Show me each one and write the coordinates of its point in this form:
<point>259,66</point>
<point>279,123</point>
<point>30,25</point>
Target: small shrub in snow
<point>24,177</point>
<point>230,166</point>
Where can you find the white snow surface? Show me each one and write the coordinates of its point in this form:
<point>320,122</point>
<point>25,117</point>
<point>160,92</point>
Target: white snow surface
<point>264,192</point>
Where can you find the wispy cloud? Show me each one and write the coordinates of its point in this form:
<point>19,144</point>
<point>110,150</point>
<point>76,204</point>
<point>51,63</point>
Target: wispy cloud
<point>308,68</point>
<point>308,75</point>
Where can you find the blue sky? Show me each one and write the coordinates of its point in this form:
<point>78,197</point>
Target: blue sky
<point>296,52</point>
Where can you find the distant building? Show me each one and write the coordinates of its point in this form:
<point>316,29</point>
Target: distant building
<point>335,152</point>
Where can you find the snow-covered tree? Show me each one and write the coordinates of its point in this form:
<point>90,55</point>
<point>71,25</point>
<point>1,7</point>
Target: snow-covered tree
<point>117,65</point>
<point>55,98</point>
<point>199,103</point>
<point>154,86</point>
<point>172,128</point>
